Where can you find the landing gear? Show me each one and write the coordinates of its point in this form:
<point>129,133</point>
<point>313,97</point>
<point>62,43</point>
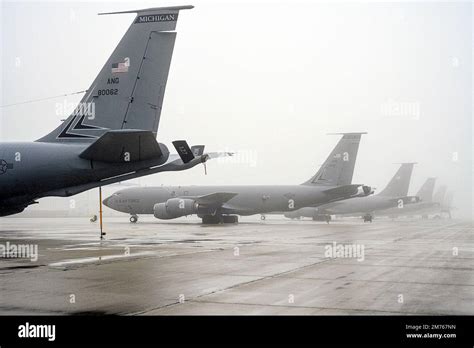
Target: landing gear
<point>219,219</point>
<point>321,217</point>
<point>211,219</point>
<point>328,218</point>
<point>263,217</point>
<point>230,219</point>
<point>368,218</point>
<point>133,219</point>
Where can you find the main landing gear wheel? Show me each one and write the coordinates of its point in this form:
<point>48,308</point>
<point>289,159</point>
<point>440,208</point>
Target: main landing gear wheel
<point>321,217</point>
<point>133,219</point>
<point>211,219</point>
<point>368,218</point>
<point>262,217</point>
<point>230,219</point>
<point>328,218</point>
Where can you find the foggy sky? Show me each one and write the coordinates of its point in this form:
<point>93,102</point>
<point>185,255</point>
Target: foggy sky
<point>270,80</point>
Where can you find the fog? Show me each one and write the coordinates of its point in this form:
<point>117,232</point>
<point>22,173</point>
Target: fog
<point>269,80</point>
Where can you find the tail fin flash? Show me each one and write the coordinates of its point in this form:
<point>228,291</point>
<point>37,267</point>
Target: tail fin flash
<point>128,92</point>
<point>398,186</point>
<point>425,193</point>
<point>338,168</point>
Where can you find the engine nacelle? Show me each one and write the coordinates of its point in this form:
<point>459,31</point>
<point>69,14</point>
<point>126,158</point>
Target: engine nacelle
<point>174,208</point>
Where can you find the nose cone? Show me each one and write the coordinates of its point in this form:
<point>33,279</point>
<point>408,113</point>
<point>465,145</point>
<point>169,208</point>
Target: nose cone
<point>108,202</point>
<point>118,201</point>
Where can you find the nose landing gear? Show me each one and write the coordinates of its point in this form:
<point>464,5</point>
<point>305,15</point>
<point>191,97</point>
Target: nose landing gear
<point>133,219</point>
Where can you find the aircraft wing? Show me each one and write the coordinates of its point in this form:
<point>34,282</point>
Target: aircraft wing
<point>174,163</point>
<point>214,199</point>
<point>347,191</point>
<point>197,150</point>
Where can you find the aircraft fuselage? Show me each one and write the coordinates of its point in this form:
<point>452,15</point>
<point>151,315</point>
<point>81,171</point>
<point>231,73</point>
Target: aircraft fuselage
<point>250,200</point>
<point>31,170</point>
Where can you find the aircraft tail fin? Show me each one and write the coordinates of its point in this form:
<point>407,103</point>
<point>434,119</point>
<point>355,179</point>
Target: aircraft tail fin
<point>338,168</point>
<point>425,193</point>
<point>440,194</point>
<point>448,199</point>
<point>128,91</point>
<point>398,186</point>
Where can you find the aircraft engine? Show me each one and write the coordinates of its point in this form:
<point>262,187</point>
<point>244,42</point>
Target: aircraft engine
<point>174,208</point>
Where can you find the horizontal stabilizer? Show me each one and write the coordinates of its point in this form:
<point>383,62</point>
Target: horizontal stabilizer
<point>343,190</point>
<point>184,151</point>
<point>120,146</point>
<point>197,150</point>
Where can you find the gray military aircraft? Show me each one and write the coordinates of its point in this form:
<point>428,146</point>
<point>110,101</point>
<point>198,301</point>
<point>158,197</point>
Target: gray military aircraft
<point>446,205</point>
<point>395,194</point>
<point>111,135</point>
<point>430,205</point>
<point>426,203</point>
<point>222,204</point>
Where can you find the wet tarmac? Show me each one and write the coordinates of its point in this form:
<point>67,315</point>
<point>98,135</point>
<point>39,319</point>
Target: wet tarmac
<point>276,266</point>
